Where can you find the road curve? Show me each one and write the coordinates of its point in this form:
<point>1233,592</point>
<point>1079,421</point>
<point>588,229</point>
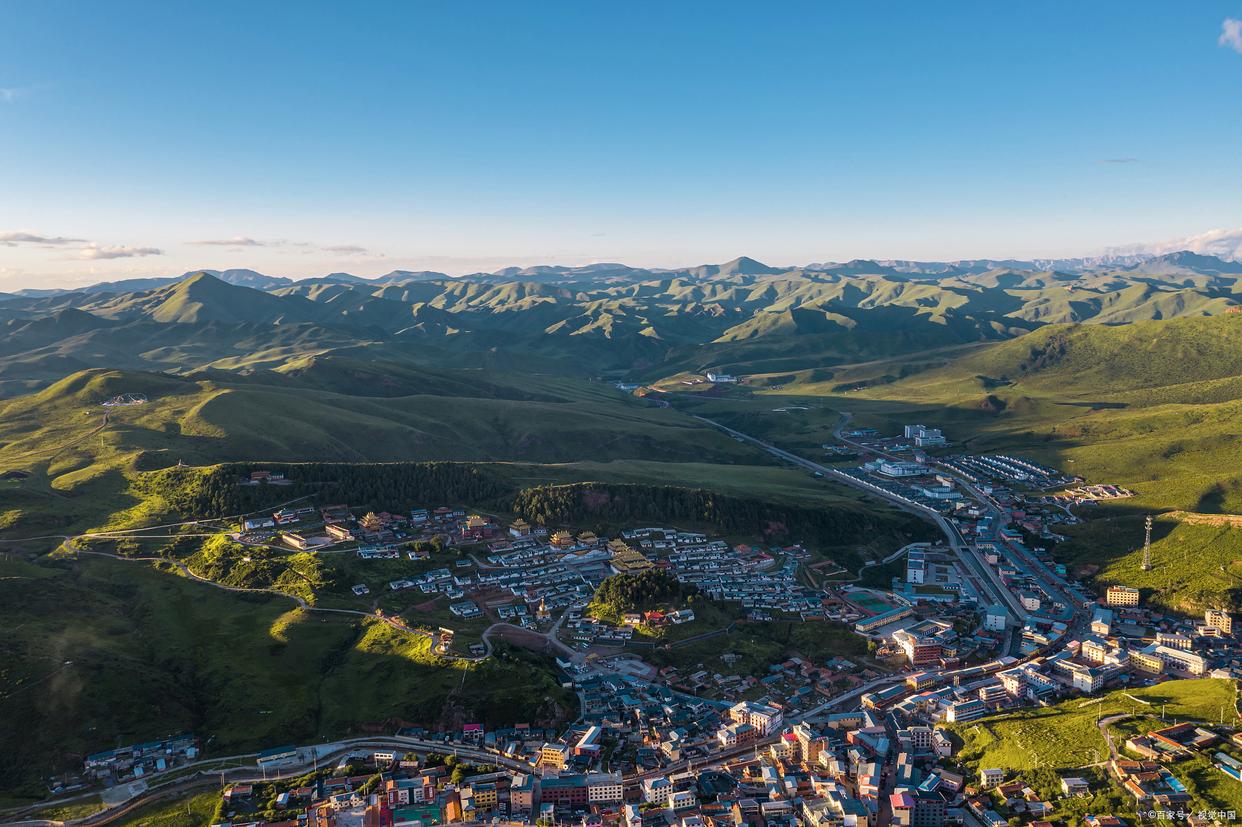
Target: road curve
<point>968,555</point>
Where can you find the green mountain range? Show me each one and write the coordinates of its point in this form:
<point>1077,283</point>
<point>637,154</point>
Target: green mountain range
<point>611,321</point>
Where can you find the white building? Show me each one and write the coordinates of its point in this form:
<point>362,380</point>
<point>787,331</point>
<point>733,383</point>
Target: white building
<point>991,778</point>
<point>996,618</point>
<point>765,719</point>
<point>1177,659</point>
<point>1121,596</point>
<point>604,788</point>
<point>1102,622</point>
<point>924,437</point>
<point>1219,619</point>
<point>682,800</point>
<point>896,468</point>
<point>657,790</point>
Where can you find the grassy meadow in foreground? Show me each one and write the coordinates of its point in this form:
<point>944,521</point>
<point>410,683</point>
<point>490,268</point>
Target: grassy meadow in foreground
<point>117,652</point>
<point>1193,566</point>
<point>1042,745</point>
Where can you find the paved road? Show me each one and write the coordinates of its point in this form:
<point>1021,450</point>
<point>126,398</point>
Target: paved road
<point>213,777</point>
<point>969,555</point>
<point>1104,724</point>
<point>1054,583</point>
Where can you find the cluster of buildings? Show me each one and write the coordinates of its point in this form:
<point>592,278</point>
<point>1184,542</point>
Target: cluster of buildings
<point>1126,639</point>
<point>632,759</point>
<point>912,438</point>
<point>1074,661</point>
<point>746,575</point>
<point>140,761</point>
<point>649,724</point>
<point>793,684</point>
<point>924,437</point>
<point>1010,471</point>
<point>965,636</point>
<point>379,535</point>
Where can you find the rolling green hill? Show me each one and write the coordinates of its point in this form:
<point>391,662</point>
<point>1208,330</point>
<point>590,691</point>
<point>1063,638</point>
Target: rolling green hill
<point>118,652</point>
<point>72,454</point>
<point>1147,405</point>
<point>741,316</point>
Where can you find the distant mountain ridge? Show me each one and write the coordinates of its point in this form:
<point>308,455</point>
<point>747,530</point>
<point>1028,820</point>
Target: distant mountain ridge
<point>741,317</point>
<point>1177,263</point>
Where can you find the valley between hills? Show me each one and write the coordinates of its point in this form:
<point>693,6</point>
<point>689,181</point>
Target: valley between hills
<point>536,395</point>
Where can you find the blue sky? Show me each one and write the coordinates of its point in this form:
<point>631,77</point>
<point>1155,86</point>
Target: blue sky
<point>306,138</point>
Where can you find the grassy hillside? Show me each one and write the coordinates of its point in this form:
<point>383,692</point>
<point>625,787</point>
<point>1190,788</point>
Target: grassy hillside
<point>67,458</point>
<point>116,652</point>
<point>615,323</point>
<point>1193,566</point>
<point>193,811</point>
<point>1041,745</point>
<point>1147,405</point>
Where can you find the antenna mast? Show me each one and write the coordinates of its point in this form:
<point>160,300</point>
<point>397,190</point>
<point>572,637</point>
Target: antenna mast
<point>1147,544</point>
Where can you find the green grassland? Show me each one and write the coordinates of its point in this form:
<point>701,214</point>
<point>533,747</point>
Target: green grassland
<point>1151,406</point>
<point>69,469</point>
<point>781,484</point>
<point>386,669</point>
<point>799,423</point>
<point>117,652</point>
<point>1042,745</point>
<point>193,811</point>
<point>78,809</point>
<point>1193,566</point>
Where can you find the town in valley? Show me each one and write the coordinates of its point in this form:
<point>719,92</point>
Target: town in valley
<point>868,715</point>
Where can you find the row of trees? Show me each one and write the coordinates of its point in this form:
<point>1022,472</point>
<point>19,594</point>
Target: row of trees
<point>606,505</point>
<point>376,486</point>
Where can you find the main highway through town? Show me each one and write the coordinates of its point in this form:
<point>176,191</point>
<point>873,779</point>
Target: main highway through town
<point>1053,584</point>
<point>968,554</point>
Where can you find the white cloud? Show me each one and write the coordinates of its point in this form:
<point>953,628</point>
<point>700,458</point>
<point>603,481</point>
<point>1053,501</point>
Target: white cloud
<point>95,252</point>
<point>1223,243</point>
<point>12,239</point>
<point>306,247</point>
<point>235,241</point>
<point>1231,34</point>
